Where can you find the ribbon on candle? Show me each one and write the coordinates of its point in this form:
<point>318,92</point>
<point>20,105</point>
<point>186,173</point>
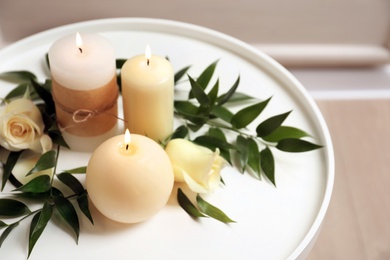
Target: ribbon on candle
<point>86,113</point>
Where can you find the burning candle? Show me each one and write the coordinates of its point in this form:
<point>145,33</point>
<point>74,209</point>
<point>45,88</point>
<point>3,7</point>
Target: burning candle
<point>147,90</point>
<point>84,89</point>
<point>129,178</point>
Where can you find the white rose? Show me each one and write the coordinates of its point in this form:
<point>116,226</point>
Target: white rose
<point>21,127</point>
<point>197,166</point>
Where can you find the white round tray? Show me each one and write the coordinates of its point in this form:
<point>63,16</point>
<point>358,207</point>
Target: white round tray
<point>272,223</point>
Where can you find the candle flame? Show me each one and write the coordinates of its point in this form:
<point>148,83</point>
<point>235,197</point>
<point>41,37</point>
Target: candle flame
<point>148,53</point>
<point>127,138</point>
<point>79,42</point>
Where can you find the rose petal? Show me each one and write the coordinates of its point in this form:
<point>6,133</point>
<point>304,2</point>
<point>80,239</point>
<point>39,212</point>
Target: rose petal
<point>178,172</point>
<point>198,166</point>
<point>193,185</point>
<point>36,146</point>
<point>46,143</point>
<point>215,174</point>
<point>21,127</point>
<point>194,159</point>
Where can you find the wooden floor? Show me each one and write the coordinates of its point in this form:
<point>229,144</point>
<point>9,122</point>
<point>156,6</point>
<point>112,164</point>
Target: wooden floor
<point>357,225</point>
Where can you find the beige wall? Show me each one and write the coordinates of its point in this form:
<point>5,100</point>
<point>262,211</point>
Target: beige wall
<point>263,22</point>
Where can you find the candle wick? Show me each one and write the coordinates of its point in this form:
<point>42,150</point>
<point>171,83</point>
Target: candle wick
<point>81,50</point>
<point>147,62</point>
<point>127,147</point>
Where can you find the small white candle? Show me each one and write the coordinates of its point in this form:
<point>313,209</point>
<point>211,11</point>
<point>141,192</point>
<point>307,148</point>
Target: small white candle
<point>129,180</point>
<point>147,90</point>
<point>84,80</point>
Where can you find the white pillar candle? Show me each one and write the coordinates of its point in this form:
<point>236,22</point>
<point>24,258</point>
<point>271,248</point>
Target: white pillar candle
<point>147,90</point>
<point>129,180</point>
<point>85,89</point>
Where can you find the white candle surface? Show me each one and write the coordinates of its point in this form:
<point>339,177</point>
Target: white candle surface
<point>129,181</point>
<point>85,67</point>
<point>83,74</point>
<point>147,91</point>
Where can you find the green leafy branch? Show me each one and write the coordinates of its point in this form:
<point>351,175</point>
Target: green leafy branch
<point>41,189</point>
<point>207,109</point>
<point>203,208</point>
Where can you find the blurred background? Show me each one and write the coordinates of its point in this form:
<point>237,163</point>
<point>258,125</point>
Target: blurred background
<point>300,32</point>
<point>338,49</point>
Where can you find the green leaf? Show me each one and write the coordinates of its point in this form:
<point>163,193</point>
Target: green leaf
<point>243,151</point>
<point>20,76</point>
<point>219,134</point>
<point>83,202</point>
<point>185,108</point>
<point>254,158</point>
<point>212,211</point>
<point>38,225</point>
<point>213,94</point>
<point>68,213</point>
<point>7,231</point>
<point>238,97</point>
<point>119,82</point>
<point>47,85</point>
<point>190,112</point>
<point>180,132</point>
<point>180,74</point>
<point>271,124</point>
<point>12,159</point>
<point>18,92</point>
<point>57,138</point>
<point>55,133</point>
<point>47,119</point>
<point>45,95</point>
<point>15,182</point>
<point>187,205</point>
<point>207,141</point>
<point>204,112</point>
<point>268,164</point>
<point>119,63</point>
<point>195,127</point>
<point>246,115</point>
<point>47,60</point>
<point>199,93</point>
<point>37,185</point>
<point>77,170</point>
<point>205,77</point>
<point>222,113</point>
<point>13,208</point>
<point>226,97</point>
<point>2,224</point>
<point>46,161</point>
<point>41,196</point>
<point>43,218</point>
<point>72,182</point>
<point>295,145</point>
<point>284,132</point>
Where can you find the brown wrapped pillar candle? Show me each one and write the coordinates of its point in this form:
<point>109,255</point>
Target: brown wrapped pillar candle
<point>84,89</point>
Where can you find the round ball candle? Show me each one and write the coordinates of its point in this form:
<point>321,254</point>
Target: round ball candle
<point>147,91</point>
<point>129,180</point>
<point>84,89</point>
